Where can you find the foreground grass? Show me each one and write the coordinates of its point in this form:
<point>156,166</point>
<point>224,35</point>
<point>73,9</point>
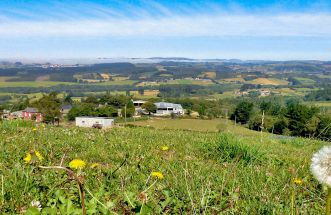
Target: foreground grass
<point>208,173</point>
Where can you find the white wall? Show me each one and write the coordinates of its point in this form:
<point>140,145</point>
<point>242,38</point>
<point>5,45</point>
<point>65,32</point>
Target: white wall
<point>90,121</point>
<point>168,112</point>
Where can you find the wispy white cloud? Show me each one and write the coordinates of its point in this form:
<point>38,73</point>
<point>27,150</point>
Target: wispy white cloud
<point>297,24</point>
<point>86,19</point>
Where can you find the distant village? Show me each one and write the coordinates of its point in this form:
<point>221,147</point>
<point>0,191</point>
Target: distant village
<point>162,109</point>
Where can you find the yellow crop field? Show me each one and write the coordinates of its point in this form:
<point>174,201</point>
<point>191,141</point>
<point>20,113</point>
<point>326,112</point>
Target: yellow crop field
<point>210,74</point>
<point>268,81</point>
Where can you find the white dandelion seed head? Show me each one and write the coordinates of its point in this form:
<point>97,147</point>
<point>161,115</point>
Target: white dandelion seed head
<point>36,204</point>
<point>321,165</point>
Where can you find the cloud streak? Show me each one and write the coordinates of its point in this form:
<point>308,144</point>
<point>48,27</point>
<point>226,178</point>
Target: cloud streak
<point>86,19</point>
<point>165,28</point>
<point>297,24</point>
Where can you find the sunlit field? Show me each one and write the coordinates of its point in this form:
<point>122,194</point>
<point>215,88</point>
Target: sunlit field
<point>153,171</point>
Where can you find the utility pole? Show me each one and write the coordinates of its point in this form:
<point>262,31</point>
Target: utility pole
<point>226,115</point>
<point>262,122</point>
<point>125,114</point>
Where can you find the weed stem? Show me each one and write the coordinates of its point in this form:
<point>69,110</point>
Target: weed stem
<point>328,202</point>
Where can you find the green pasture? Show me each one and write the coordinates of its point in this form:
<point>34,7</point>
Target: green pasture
<point>305,81</point>
<point>118,82</point>
<point>154,171</point>
<point>33,84</point>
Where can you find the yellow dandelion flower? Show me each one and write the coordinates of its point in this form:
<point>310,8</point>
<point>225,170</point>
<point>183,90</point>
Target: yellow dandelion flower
<point>77,164</point>
<point>39,156</point>
<point>297,181</point>
<point>34,129</point>
<point>27,158</point>
<point>157,175</point>
<point>94,165</point>
<point>164,148</point>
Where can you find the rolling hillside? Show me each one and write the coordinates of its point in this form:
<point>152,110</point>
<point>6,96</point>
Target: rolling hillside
<point>145,170</point>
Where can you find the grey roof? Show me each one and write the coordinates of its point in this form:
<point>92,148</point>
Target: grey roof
<point>66,107</point>
<point>31,110</point>
<point>167,105</point>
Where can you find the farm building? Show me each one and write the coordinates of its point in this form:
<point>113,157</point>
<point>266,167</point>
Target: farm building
<point>32,114</point>
<point>94,122</point>
<point>65,109</point>
<point>138,103</point>
<point>16,115</point>
<point>164,109</point>
<point>138,107</point>
<point>4,114</point>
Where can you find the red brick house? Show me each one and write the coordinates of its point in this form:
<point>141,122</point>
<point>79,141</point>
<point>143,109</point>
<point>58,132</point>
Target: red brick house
<point>32,114</point>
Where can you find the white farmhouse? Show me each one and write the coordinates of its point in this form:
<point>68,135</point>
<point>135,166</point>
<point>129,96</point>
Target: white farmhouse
<point>94,122</point>
<point>138,107</point>
<point>164,109</point>
<point>138,103</point>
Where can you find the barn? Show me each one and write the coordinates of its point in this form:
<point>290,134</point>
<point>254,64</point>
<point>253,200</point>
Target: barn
<point>164,109</point>
<point>32,114</point>
<point>94,122</point>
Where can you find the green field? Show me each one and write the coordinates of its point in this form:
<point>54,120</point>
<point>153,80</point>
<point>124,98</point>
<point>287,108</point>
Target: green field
<point>54,83</point>
<point>33,84</point>
<point>305,81</point>
<point>183,124</point>
<point>5,78</point>
<point>213,125</point>
<point>325,76</point>
<point>195,82</point>
<point>119,82</point>
<point>203,172</point>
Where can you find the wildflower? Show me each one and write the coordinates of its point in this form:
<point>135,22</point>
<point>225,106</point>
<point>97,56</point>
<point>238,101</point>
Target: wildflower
<point>164,148</point>
<point>297,181</point>
<point>36,204</point>
<point>34,129</point>
<point>94,165</point>
<point>157,175</point>
<point>321,165</point>
<point>33,156</point>
<point>27,158</point>
<point>77,164</point>
<point>39,156</point>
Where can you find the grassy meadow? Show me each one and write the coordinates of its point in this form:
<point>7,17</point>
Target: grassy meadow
<point>32,83</point>
<point>4,83</point>
<point>154,171</point>
<point>212,125</point>
<point>180,124</point>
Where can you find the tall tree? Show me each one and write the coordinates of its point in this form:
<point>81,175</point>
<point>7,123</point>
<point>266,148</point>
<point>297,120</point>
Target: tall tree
<point>49,107</point>
<point>243,112</point>
<point>150,107</point>
<point>128,109</point>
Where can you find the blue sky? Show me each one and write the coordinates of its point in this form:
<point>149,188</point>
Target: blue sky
<point>261,29</point>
